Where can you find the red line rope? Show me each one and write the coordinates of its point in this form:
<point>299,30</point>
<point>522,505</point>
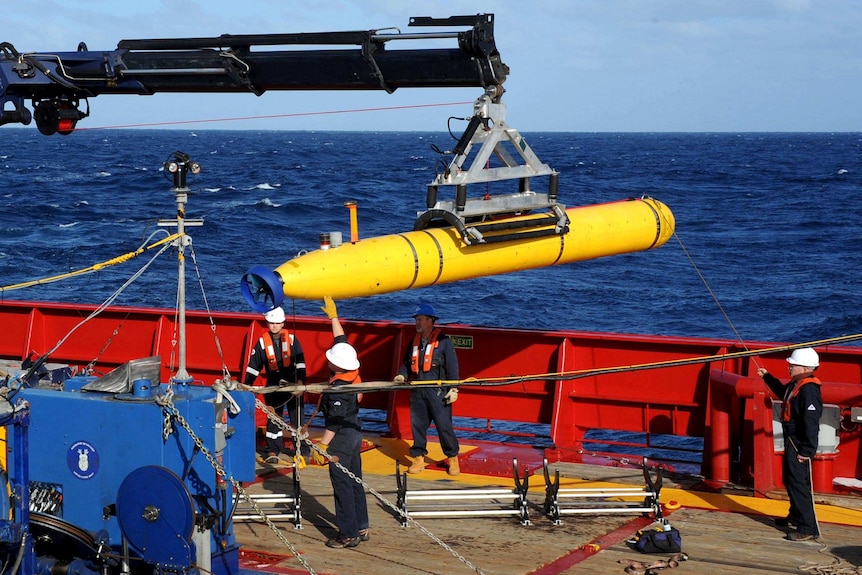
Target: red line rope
<point>271,116</point>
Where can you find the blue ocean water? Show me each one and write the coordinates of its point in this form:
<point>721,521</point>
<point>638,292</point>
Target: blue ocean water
<point>770,221</point>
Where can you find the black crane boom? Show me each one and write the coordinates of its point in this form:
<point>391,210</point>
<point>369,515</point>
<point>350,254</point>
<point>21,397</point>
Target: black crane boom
<point>56,83</point>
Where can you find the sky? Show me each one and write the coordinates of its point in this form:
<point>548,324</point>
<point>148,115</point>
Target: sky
<point>575,65</point>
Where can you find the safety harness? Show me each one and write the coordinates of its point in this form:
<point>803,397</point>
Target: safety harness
<point>428,352</point>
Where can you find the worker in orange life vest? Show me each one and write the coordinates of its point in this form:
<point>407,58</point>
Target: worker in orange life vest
<point>801,408</point>
<point>431,357</point>
<point>279,354</point>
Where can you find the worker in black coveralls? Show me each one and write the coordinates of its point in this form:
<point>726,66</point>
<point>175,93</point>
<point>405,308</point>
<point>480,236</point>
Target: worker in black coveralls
<point>278,353</point>
<point>342,439</point>
<point>801,408</point>
<point>431,357</point>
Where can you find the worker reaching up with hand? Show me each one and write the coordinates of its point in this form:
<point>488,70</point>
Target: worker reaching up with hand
<point>342,438</point>
<point>801,408</point>
<point>431,357</point>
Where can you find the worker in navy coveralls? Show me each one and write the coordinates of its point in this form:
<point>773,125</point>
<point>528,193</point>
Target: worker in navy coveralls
<point>801,408</point>
<point>279,354</point>
<point>431,357</point>
<point>342,439</point>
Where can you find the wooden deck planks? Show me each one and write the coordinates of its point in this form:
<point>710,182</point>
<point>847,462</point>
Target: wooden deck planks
<point>735,543</point>
<point>716,541</point>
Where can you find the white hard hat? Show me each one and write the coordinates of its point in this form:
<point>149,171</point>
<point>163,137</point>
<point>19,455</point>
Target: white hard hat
<point>343,356</point>
<point>806,357</point>
<point>274,315</point>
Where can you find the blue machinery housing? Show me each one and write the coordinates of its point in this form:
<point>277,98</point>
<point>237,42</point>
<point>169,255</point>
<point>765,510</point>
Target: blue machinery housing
<point>114,483</point>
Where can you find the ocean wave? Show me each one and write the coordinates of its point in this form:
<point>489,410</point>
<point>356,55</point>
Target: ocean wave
<point>746,206</point>
<point>267,202</point>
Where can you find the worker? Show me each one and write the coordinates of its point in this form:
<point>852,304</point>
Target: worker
<point>342,439</point>
<point>279,354</point>
<point>801,409</point>
<point>431,357</point>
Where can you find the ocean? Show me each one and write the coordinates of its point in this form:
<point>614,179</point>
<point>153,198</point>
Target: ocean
<point>767,245</point>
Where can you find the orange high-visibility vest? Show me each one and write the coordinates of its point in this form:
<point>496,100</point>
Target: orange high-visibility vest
<point>269,348</point>
<point>351,376</point>
<point>427,353</point>
<point>785,405</point>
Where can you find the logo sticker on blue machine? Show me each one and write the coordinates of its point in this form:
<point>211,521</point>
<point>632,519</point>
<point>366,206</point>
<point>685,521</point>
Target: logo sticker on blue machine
<point>83,460</point>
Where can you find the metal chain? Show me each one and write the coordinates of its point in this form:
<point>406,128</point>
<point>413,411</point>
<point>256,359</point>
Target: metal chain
<point>167,428</point>
<point>837,568</point>
<point>171,412</point>
<point>287,427</point>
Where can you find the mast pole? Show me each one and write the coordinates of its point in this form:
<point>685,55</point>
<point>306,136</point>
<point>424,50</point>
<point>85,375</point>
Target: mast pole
<point>180,166</point>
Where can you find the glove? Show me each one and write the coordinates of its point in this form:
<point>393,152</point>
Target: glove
<point>318,457</point>
<point>451,396</point>
<point>398,378</point>
<point>329,307</point>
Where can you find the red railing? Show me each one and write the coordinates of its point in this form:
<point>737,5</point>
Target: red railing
<point>759,462</point>
<point>718,400</point>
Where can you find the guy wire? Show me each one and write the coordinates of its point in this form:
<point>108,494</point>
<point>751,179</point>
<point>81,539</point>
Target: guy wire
<point>711,293</point>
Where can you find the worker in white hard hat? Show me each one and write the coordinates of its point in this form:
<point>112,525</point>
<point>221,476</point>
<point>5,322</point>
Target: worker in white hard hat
<point>342,439</point>
<point>279,357</point>
<point>801,408</point>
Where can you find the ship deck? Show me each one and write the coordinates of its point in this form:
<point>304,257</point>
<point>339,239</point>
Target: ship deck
<point>728,532</point>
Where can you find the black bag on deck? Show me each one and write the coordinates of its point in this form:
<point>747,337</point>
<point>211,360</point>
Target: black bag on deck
<point>659,541</point>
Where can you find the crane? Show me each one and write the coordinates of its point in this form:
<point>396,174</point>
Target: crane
<point>60,84</point>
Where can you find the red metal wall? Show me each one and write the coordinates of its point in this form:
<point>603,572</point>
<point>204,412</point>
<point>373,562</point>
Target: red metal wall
<point>680,400</point>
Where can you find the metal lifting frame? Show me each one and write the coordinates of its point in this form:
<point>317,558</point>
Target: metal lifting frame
<point>603,500</point>
<point>455,503</point>
<point>274,505</point>
<point>488,130</point>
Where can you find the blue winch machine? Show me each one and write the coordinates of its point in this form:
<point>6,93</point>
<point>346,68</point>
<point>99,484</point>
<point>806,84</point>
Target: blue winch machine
<point>106,482</point>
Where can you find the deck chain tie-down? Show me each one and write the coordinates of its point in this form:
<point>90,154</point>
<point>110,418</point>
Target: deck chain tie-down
<point>166,401</point>
<point>171,413</point>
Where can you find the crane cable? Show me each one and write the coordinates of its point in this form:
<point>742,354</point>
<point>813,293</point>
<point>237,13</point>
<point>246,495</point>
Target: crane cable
<point>93,268</point>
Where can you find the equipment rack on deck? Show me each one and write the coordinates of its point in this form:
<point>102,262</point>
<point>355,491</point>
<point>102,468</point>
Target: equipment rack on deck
<point>275,506</point>
<point>602,500</point>
<point>455,503</point>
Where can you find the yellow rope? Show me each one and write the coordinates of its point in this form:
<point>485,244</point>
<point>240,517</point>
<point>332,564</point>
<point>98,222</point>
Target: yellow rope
<point>558,375</point>
<point>93,268</point>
